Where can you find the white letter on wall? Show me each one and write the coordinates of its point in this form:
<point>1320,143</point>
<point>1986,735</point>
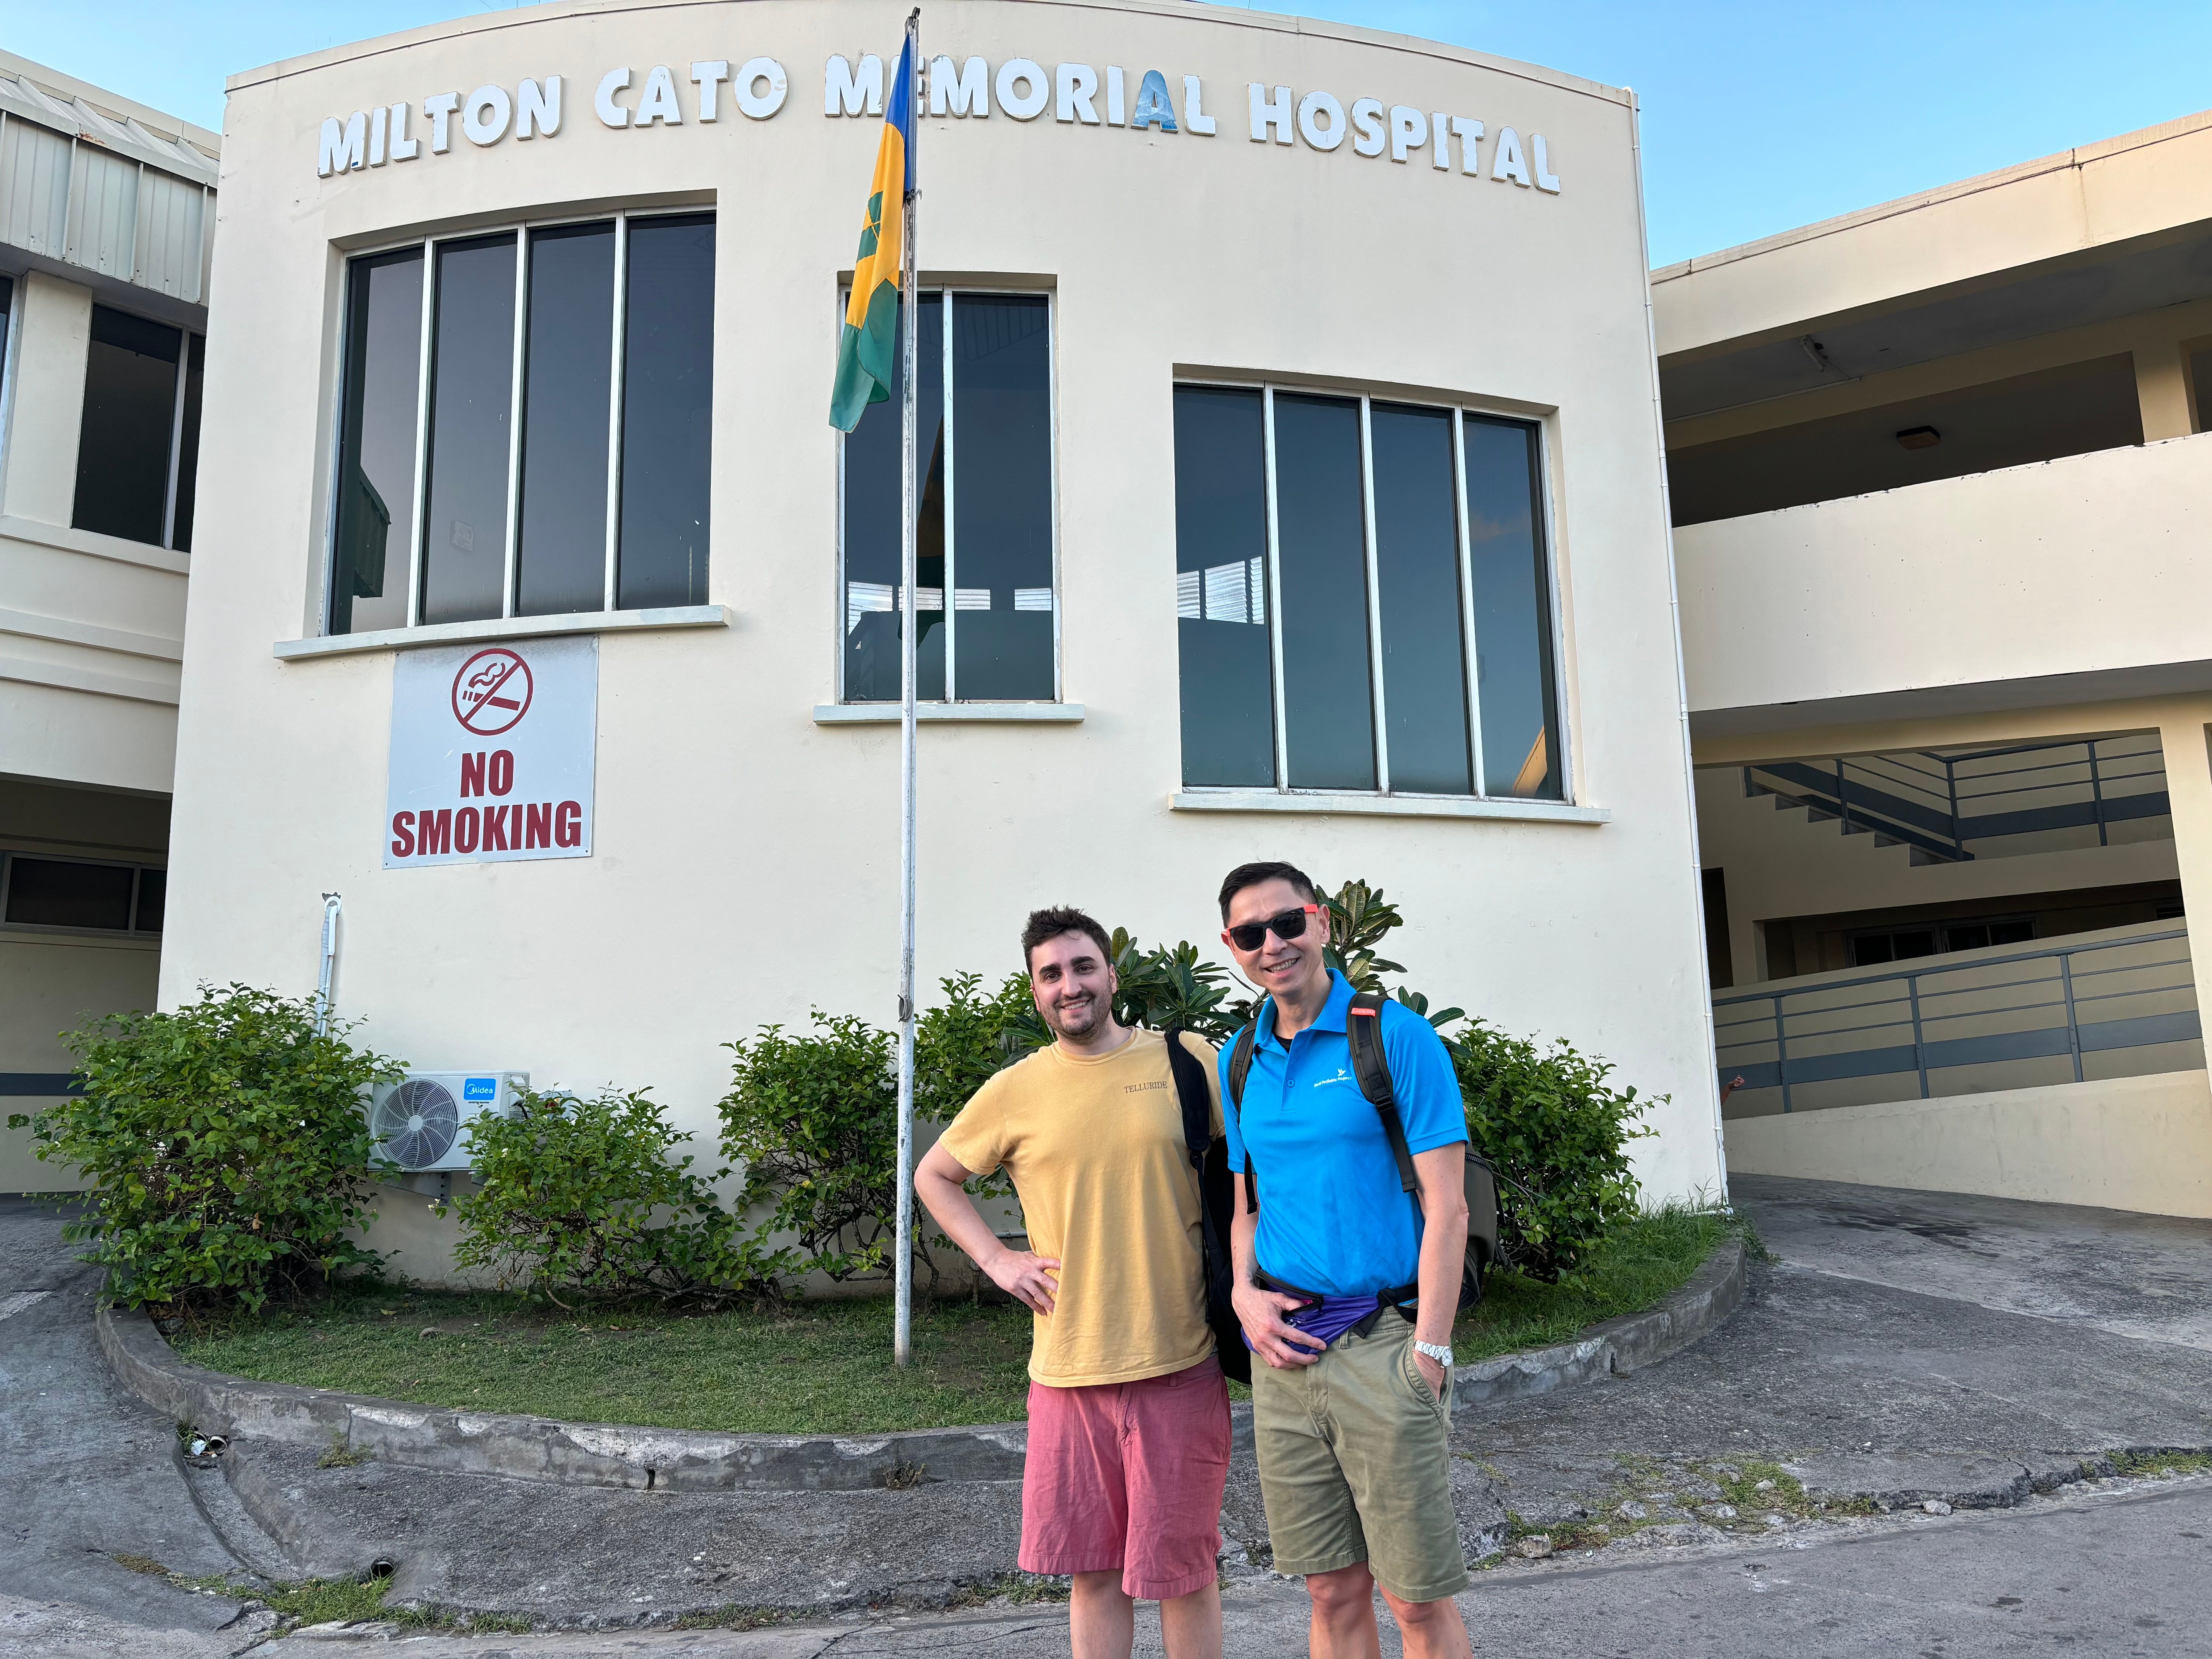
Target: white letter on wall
<point>658,101</point>
<point>1409,132</point>
<point>538,109</point>
<point>842,93</point>
<point>1441,127</point>
<point>709,78</point>
<point>404,148</point>
<point>1272,112</point>
<point>1194,117</point>
<point>761,87</point>
<point>1311,128</point>
<point>343,148</point>
<point>1469,134</point>
<point>1367,122</point>
<point>1546,181</point>
<point>1117,112</point>
<point>968,93</point>
<point>377,117</point>
<point>1076,82</point>
<point>1506,162</point>
<point>1026,104</point>
<point>485,115</point>
<point>610,113</point>
<point>440,109</point>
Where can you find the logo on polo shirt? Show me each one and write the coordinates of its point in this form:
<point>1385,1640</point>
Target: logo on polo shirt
<point>1342,1075</point>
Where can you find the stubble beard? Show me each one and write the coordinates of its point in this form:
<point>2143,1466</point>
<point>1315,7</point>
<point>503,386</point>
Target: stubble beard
<point>1091,1012</point>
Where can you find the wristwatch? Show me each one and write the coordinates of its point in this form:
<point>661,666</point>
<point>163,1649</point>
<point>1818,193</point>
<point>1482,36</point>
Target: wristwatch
<point>1441,1352</point>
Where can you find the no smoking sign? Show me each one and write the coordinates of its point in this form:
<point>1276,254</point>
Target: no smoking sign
<point>493,753</point>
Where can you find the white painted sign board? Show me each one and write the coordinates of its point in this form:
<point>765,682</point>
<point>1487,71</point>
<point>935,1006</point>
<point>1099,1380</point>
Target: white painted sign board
<point>494,750</point>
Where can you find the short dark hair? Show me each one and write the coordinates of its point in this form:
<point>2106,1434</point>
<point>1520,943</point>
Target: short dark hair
<point>1055,920</point>
<point>1251,875</point>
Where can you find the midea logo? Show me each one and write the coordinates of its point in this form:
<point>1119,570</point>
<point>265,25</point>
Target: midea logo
<point>1022,89</point>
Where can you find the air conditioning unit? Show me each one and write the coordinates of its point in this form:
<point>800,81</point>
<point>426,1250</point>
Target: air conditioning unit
<point>422,1121</point>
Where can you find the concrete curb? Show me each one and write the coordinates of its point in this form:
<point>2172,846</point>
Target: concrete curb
<point>688,1460</point>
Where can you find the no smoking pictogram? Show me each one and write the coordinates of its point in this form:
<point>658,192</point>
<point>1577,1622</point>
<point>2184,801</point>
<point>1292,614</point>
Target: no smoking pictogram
<point>492,691</point>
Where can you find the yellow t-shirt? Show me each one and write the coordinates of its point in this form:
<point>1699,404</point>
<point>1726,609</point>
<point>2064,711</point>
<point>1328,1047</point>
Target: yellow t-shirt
<point>1096,1150</point>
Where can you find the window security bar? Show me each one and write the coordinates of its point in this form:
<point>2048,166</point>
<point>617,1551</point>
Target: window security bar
<point>2064,1000</point>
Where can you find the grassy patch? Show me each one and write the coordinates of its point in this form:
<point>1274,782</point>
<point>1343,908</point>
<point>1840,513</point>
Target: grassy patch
<point>348,1601</point>
<point>1644,1260</point>
<point>2162,1465</point>
<point>815,1368</point>
<point>820,1368</point>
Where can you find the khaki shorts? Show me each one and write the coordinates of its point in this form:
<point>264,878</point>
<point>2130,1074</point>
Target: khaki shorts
<point>1355,1465</point>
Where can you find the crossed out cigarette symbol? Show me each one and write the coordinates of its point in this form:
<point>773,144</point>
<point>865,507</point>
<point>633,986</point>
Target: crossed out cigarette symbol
<point>492,692</point>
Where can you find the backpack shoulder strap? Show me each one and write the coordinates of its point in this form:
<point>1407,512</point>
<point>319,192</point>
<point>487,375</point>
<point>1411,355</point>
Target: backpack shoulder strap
<point>1363,1033</point>
<point>1189,1074</point>
<point>1240,1067</point>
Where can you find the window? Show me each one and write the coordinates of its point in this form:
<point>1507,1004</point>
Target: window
<point>139,443</point>
<point>81,894</point>
<point>1906,943</point>
<point>526,424</point>
<point>1339,563</point>
<point>985,528</point>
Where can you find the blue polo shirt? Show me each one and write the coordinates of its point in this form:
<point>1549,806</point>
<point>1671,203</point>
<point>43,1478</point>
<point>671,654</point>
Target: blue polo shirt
<point>1333,1216</point>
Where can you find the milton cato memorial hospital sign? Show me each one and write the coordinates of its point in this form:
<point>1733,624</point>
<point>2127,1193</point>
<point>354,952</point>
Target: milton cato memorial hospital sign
<point>624,100</point>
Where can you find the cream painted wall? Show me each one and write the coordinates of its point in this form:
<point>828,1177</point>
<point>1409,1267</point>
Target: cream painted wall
<point>2138,1143</point>
<point>2135,185</point>
<point>2094,562</point>
<point>1778,864</point>
<point>46,398</point>
<point>51,983</point>
<point>744,864</point>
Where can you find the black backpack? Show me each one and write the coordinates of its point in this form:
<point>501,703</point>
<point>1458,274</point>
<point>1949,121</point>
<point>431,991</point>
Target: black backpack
<point>1217,1203</point>
<point>1362,1032</point>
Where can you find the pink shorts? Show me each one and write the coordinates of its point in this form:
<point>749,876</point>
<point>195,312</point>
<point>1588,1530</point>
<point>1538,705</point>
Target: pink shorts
<point>1129,1476</point>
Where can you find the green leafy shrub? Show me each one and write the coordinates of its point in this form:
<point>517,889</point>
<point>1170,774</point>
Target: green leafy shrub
<point>1557,1132</point>
<point>814,1117</point>
<point>226,1146</point>
<point>581,1199</point>
<point>959,1043</point>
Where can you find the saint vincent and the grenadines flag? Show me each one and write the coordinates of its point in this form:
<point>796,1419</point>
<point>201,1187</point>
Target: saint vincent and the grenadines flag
<point>867,370</point>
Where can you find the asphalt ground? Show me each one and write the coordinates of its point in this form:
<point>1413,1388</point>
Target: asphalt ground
<point>1866,1359</point>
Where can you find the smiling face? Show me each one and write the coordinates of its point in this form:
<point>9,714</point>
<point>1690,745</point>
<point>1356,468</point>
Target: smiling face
<point>1290,969</point>
<point>1072,984</point>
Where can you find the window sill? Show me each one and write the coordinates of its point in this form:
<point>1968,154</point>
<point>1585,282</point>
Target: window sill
<point>91,542</point>
<point>504,628</point>
<point>1413,806</point>
<point>887,714</point>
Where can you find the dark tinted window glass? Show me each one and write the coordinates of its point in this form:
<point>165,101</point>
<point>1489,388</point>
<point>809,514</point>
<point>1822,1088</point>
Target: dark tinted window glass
<point>50,893</point>
<point>1512,613</point>
<point>153,896</point>
<point>1871,951</point>
<point>129,416</point>
<point>566,406</point>
<point>1221,592</point>
<point>1417,570</point>
<point>1321,531</point>
<point>188,448</point>
<point>1920,942</point>
<point>471,405</point>
<point>2014,932</point>
<point>668,398</point>
<point>1972,937</point>
<point>1002,497</point>
<point>371,553</point>
<point>872,531</point>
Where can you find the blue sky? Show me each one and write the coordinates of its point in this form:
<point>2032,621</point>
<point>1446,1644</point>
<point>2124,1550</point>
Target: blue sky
<point>1757,117</point>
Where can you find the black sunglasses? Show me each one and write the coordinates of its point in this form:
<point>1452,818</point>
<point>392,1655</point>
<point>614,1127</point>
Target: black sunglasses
<point>1283,925</point>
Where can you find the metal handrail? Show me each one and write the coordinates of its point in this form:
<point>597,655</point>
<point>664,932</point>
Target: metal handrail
<point>1773,1019</point>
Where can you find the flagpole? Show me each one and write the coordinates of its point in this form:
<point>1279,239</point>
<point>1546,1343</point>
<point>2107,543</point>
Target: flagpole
<point>902,1334</point>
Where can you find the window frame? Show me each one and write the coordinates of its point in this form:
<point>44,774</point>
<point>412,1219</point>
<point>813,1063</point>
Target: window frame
<point>949,294</point>
<point>1544,505</point>
<point>186,335</point>
<point>426,245</point>
<point>138,867</point>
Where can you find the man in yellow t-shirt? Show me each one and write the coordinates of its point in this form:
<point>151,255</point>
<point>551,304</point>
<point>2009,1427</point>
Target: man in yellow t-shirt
<point>1129,1433</point>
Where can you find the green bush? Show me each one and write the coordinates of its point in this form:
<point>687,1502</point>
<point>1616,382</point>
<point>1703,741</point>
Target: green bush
<point>580,1199</point>
<point>814,1117</point>
<point>1557,1132</point>
<point>226,1146</point>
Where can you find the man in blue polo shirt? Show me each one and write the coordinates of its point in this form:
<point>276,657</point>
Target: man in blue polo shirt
<point>1347,1288</point>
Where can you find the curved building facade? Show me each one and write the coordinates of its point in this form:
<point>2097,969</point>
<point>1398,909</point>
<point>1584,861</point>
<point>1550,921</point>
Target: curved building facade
<point>1292,489</point>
